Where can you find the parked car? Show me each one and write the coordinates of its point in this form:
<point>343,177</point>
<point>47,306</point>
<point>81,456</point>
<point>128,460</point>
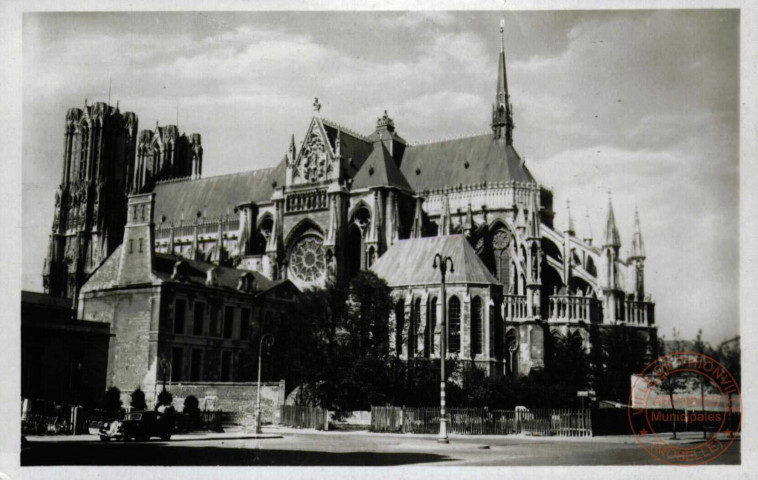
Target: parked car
<point>140,426</point>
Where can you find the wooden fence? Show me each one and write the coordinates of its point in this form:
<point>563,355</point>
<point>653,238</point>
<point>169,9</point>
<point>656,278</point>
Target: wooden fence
<point>305,417</point>
<point>480,421</point>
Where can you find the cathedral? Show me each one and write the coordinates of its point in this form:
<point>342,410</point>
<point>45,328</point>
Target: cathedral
<point>339,202</point>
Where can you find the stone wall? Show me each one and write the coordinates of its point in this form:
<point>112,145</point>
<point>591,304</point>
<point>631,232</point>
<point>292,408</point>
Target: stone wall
<point>130,314</point>
<point>233,397</point>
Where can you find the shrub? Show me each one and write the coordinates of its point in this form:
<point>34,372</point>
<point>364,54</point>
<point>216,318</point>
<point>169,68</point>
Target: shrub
<point>165,398</point>
<point>112,400</point>
<point>138,400</point>
<point>191,405</point>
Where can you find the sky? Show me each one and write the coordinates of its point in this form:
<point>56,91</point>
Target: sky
<point>644,104</point>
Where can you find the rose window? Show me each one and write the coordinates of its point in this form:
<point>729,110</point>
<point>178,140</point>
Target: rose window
<point>500,240</point>
<point>307,259</point>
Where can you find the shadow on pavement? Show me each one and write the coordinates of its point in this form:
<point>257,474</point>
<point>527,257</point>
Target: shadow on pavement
<point>92,453</point>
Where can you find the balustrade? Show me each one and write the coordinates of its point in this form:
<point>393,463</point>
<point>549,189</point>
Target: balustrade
<point>514,308</point>
<point>304,201</point>
<point>638,313</point>
<point>204,227</point>
<point>571,308</point>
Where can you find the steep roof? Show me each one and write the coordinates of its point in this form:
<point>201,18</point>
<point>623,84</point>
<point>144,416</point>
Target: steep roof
<point>215,196</point>
<point>354,147</point>
<point>380,169</point>
<point>163,267</point>
<point>409,262</point>
<point>445,163</point>
<point>227,277</point>
<point>611,234</point>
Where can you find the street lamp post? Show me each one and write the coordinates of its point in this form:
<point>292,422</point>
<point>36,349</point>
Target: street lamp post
<point>268,339</point>
<point>441,262</point>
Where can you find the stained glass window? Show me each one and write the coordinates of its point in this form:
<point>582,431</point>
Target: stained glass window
<point>454,325</point>
<point>307,259</point>
<point>477,333</point>
<point>431,324</point>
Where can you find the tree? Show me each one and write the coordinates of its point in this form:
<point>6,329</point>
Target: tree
<point>729,354</point>
<point>138,400</point>
<point>338,343</point>
<point>369,308</point>
<point>191,405</point>
<point>568,368</point>
<point>623,352</point>
<point>670,383</point>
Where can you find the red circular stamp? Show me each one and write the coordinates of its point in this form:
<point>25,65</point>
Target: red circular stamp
<point>693,392</point>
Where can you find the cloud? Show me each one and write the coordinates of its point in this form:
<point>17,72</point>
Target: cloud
<point>643,103</point>
<point>413,20</point>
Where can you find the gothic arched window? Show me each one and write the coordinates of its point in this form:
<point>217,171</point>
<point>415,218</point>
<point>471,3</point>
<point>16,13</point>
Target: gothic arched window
<point>454,325</point>
<point>477,327</point>
<point>511,346</point>
<point>399,325</point>
<point>413,327</point>
<point>431,325</point>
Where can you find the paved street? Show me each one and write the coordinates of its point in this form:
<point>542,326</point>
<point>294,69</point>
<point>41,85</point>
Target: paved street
<point>303,447</point>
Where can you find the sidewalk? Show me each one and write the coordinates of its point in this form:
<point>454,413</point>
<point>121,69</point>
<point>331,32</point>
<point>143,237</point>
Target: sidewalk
<point>683,438</point>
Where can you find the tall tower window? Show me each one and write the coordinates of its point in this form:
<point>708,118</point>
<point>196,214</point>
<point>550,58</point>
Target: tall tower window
<point>399,325</point>
<point>454,325</point>
<point>431,324</point>
<point>413,327</point>
<point>477,330</point>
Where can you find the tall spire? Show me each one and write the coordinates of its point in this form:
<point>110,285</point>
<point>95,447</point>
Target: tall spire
<point>587,228</point>
<point>292,152</point>
<point>611,235</point>
<point>502,110</point>
<point>446,221</point>
<point>468,226</point>
<point>638,245</point>
<point>570,221</point>
<point>418,220</point>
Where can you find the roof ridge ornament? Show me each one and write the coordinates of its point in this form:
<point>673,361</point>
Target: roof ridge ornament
<point>316,107</point>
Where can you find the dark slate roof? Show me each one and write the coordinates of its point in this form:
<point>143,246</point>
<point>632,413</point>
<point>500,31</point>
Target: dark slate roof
<point>215,196</point>
<point>163,267</point>
<point>354,147</point>
<point>385,132</point>
<point>443,164</point>
<point>380,170</point>
<point>409,262</point>
<point>45,300</point>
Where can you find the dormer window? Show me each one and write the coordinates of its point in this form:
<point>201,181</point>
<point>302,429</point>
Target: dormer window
<point>180,271</point>
<point>247,283</point>
<point>211,277</point>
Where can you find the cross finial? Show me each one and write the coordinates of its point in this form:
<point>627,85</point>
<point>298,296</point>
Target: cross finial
<point>316,105</point>
<point>502,35</point>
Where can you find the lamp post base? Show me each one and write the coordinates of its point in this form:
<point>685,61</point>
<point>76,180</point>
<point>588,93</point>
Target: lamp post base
<point>442,437</point>
<point>258,422</point>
